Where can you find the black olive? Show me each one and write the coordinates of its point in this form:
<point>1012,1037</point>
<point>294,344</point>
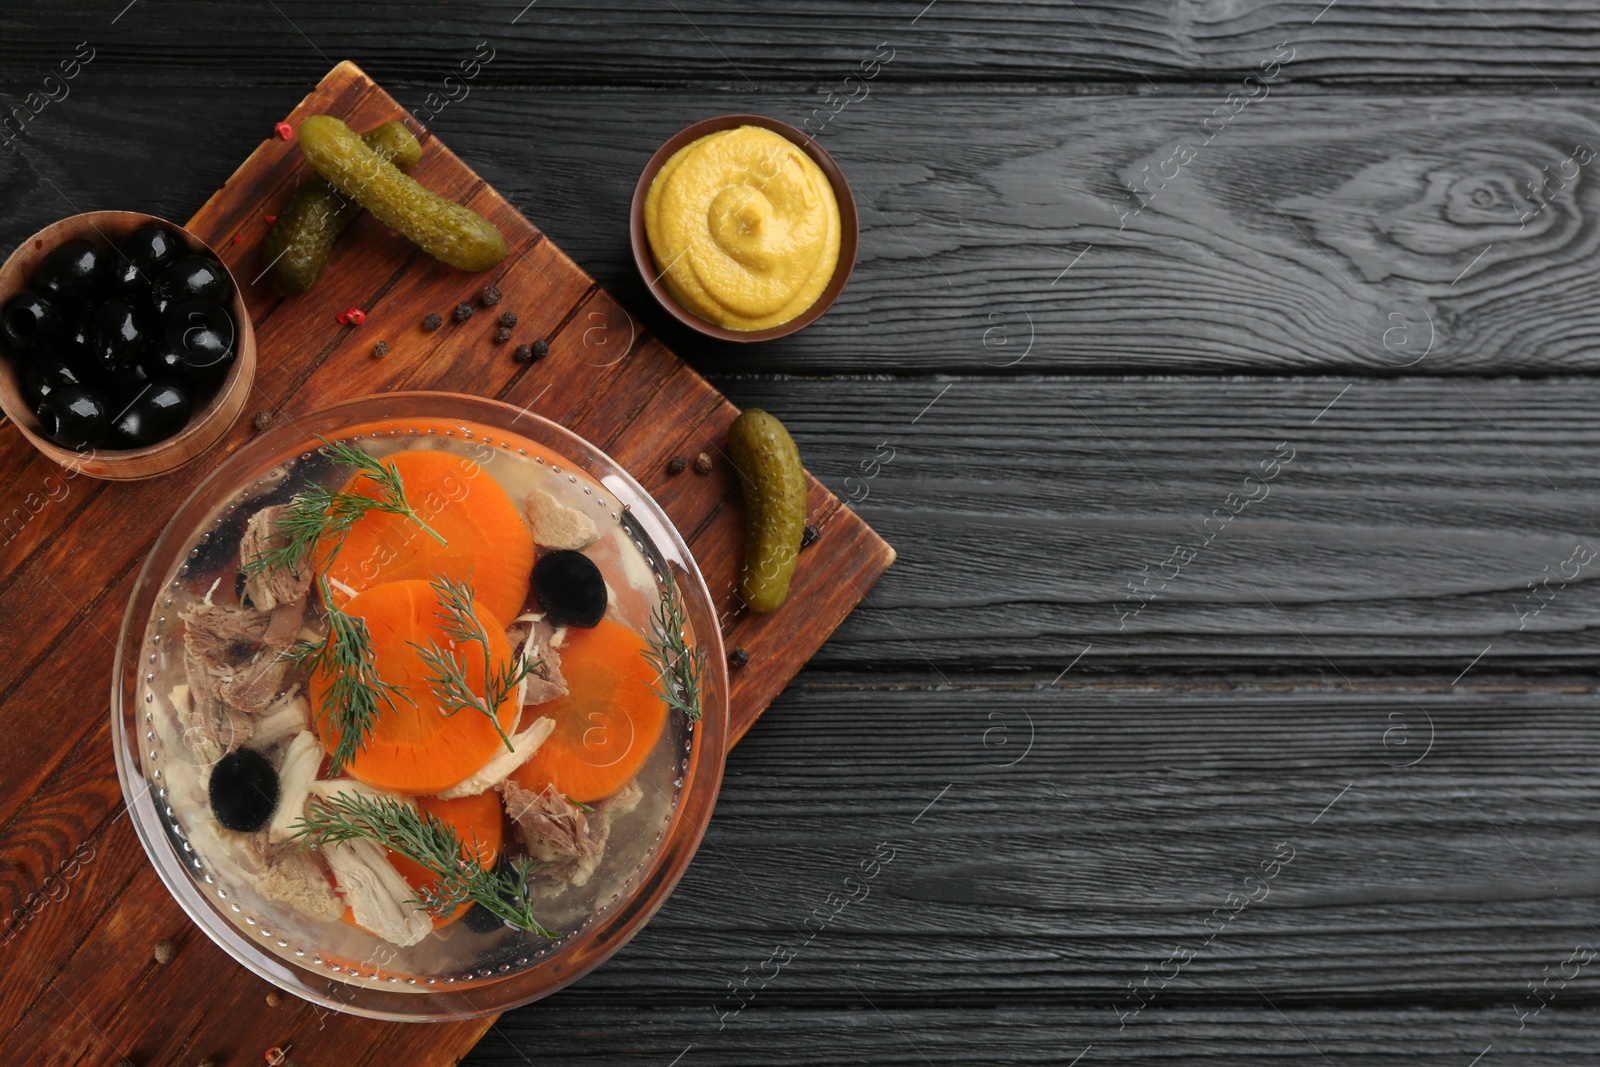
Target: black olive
<point>117,335</point>
<point>30,320</point>
<point>203,330</point>
<point>570,588</point>
<point>126,382</point>
<point>71,274</point>
<point>150,248</point>
<point>74,345</point>
<point>42,376</point>
<point>197,369</point>
<point>155,413</point>
<point>244,790</point>
<point>72,416</point>
<point>193,278</point>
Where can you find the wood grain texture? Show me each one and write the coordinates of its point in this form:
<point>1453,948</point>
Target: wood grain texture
<point>1051,843</point>
<point>738,43</point>
<point>995,147</point>
<point>1362,234</point>
<point>1400,541</point>
<point>603,375</point>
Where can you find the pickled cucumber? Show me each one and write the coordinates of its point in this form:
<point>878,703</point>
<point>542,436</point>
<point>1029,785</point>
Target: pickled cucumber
<point>774,485</point>
<point>442,228</point>
<point>301,240</point>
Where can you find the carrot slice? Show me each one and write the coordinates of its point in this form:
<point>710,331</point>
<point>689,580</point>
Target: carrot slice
<point>489,545</point>
<point>608,723</point>
<point>417,748</point>
<point>476,819</point>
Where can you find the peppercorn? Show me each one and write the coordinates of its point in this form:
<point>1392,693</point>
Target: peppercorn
<point>463,312</point>
<point>702,464</point>
<point>541,348</point>
<point>508,318</point>
<point>810,535</point>
<point>263,419</point>
<point>270,220</point>
<point>738,658</point>
<point>432,322</point>
<point>283,130</point>
<point>380,349</point>
<point>164,951</point>
<point>523,354</point>
<point>274,998</point>
<point>502,335</point>
<point>490,297</point>
<point>676,464</point>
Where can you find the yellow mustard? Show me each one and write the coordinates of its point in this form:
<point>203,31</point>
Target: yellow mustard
<point>744,228</point>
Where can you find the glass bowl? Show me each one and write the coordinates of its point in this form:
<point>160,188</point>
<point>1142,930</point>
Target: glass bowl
<point>455,973</point>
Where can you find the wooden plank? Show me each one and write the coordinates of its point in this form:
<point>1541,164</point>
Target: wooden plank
<point>745,47</point>
<point>1039,876</point>
<point>90,957</point>
<point>1326,233</point>
<point>1016,1034</point>
<point>1399,542</point>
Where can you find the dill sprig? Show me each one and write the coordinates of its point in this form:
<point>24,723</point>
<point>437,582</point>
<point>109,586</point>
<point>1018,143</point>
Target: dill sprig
<point>431,843</point>
<point>318,512</point>
<point>448,682</point>
<point>678,665</point>
<point>345,656</point>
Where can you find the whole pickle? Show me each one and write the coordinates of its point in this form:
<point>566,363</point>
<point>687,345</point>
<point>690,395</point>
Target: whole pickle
<point>774,485</point>
<point>302,239</point>
<point>442,228</point>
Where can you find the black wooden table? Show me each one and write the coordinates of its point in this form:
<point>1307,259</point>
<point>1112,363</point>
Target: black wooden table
<point>1222,374</point>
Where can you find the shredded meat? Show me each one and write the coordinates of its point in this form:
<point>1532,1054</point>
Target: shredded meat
<point>502,763</point>
<point>553,827</point>
<point>284,626</point>
<point>562,835</point>
<point>223,635</point>
<point>270,588</point>
<point>227,658</point>
<point>379,898</point>
<point>545,681</point>
<point>297,880</point>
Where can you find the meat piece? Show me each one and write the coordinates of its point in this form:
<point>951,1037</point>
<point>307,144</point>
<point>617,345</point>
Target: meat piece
<point>226,657</point>
<point>553,827</point>
<point>209,729</point>
<point>254,685</point>
<point>545,681</point>
<point>557,526</point>
<point>297,880</point>
<point>202,742</point>
<point>284,625</point>
<point>287,716</point>
<point>269,588</point>
<point>570,841</point>
<point>301,761</point>
<point>379,898</point>
<point>499,768</point>
<point>223,635</point>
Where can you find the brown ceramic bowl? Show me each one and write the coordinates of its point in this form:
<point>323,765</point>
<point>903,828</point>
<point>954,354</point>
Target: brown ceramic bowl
<point>849,236</point>
<point>209,421</point>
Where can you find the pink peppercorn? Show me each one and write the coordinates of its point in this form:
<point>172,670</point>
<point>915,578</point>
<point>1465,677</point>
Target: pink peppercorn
<point>284,130</point>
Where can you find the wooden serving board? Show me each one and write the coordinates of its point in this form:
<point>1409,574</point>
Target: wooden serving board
<point>80,906</point>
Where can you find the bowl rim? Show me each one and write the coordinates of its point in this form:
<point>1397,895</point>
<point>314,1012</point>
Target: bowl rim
<point>205,425</point>
<point>594,944</point>
<point>849,227</point>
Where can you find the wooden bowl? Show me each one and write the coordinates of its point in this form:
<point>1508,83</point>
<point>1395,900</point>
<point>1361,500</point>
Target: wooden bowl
<point>849,227</point>
<point>106,229</point>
